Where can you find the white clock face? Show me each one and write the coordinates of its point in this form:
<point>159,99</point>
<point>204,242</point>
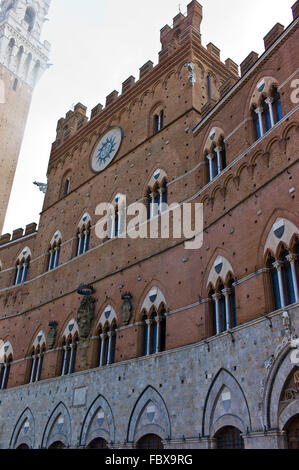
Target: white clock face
<point>106,149</point>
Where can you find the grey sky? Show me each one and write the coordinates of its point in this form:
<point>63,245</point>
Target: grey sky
<point>96,45</point>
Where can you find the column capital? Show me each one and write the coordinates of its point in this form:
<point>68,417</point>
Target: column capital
<point>269,100</point>
<point>278,265</point>
<point>292,257</point>
<point>216,297</point>
<point>259,110</point>
<point>226,292</point>
<point>148,321</point>
<point>218,149</point>
<point>103,336</point>
<point>210,156</point>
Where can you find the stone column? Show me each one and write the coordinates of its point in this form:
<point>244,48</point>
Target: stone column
<point>226,293</point>
<point>292,260</point>
<point>158,321</point>
<point>50,260</point>
<point>79,243</point>
<point>39,365</point>
<point>56,250</point>
<point>19,266</point>
<point>210,157</point>
<point>103,337</point>
<point>109,346</point>
<point>72,346</point>
<point>32,378</point>
<point>64,360</point>
<point>259,112</point>
<point>148,346</point>
<point>278,266</point>
<point>25,266</point>
<point>218,150</point>
<point>216,298</point>
<point>269,102</point>
<point>4,376</point>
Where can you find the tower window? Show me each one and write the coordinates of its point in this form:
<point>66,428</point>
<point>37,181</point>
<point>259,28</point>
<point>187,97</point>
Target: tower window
<point>30,18</point>
<point>158,121</point>
<point>15,84</point>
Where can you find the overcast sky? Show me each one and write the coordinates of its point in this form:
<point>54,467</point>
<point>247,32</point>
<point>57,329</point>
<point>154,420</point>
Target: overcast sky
<point>96,45</point>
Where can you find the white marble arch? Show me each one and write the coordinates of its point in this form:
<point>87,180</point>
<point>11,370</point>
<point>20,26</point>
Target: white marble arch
<point>285,230</point>
<point>154,298</point>
<point>58,427</point>
<point>71,329</point>
<point>237,414</point>
<point>149,416</point>
<point>158,177</point>
<point>275,382</point>
<point>57,238</point>
<point>24,255</point>
<point>24,431</point>
<point>98,427</point>
<point>40,340</point>
<point>104,318</point>
<point>6,350</point>
<point>221,268</point>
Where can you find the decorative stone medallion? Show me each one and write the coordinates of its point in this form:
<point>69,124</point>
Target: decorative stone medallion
<point>106,149</point>
<point>150,412</point>
<point>279,228</point>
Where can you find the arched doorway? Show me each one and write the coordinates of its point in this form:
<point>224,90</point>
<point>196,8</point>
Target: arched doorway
<point>229,438</point>
<point>57,445</point>
<point>98,443</point>
<point>23,447</point>
<point>150,441</point>
<point>292,430</point>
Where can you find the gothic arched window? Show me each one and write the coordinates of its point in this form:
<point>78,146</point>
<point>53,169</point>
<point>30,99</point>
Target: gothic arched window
<point>83,235</point>
<point>22,267</point>
<point>216,159</point>
<point>36,364</point>
<point>29,18</point>
<point>158,121</point>
<point>107,345</point>
<point>267,113</point>
<point>284,277</point>
<point>223,306</point>
<point>54,252</point>
<point>69,355</point>
<point>4,372</point>
<point>154,333</point>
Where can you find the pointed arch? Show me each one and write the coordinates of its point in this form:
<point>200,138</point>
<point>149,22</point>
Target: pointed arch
<point>58,427</point>
<point>220,269</point>
<point>149,416</point>
<point>218,414</point>
<point>98,423</point>
<point>282,367</point>
<point>282,232</point>
<point>24,431</point>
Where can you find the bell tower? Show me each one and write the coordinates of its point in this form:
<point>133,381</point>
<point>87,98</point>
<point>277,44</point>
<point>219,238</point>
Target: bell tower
<point>23,59</point>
